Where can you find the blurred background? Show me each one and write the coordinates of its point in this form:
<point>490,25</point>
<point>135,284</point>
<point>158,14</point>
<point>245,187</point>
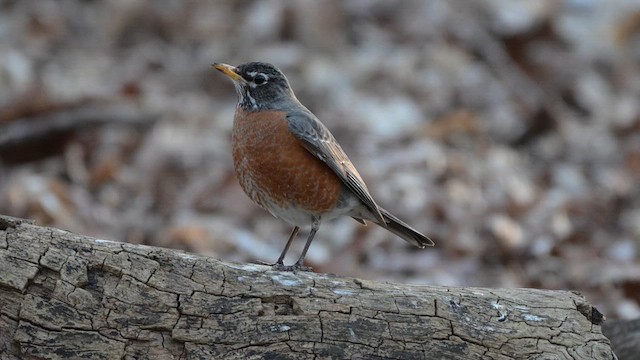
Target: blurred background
<point>509,132</point>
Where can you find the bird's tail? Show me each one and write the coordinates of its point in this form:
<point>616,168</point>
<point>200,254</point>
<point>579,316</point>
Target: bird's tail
<point>403,230</point>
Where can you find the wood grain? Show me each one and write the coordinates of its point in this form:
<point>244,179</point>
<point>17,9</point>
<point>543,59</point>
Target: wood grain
<point>65,296</point>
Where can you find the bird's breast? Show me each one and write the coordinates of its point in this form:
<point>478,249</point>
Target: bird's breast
<point>274,168</point>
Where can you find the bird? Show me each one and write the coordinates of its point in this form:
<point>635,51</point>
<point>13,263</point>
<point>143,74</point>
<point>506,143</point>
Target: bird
<point>290,164</point>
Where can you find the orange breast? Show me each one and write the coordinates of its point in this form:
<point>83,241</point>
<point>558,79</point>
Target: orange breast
<point>274,167</point>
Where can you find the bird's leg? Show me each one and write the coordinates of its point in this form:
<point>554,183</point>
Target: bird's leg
<point>315,225</point>
<point>279,265</point>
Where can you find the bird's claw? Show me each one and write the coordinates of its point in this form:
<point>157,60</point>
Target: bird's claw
<point>295,267</point>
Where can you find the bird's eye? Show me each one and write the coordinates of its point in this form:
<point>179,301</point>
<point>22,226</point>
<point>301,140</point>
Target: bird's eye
<point>260,79</point>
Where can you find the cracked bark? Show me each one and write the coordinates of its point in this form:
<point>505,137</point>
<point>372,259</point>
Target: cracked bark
<point>65,296</point>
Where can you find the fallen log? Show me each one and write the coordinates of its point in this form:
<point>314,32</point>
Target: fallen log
<point>64,296</point>
<point>624,336</point>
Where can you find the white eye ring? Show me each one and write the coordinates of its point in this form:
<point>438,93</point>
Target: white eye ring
<point>260,79</point>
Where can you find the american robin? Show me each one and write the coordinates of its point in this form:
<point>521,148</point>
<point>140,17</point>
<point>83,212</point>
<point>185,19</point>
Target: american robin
<point>289,163</point>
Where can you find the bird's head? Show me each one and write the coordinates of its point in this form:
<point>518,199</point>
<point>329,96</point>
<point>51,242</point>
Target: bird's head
<point>259,85</point>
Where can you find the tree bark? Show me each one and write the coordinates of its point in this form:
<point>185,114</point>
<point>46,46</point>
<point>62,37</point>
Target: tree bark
<point>66,296</point>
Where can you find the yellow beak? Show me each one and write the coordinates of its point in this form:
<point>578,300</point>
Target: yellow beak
<point>230,71</point>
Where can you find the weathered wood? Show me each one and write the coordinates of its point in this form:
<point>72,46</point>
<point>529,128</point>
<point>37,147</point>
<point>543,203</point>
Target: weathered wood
<point>625,338</point>
<point>66,296</point>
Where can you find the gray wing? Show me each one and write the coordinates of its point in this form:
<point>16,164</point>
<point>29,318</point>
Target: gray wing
<point>320,142</point>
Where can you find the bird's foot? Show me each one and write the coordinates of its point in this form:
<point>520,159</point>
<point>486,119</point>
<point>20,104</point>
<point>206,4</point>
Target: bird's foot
<point>295,267</point>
